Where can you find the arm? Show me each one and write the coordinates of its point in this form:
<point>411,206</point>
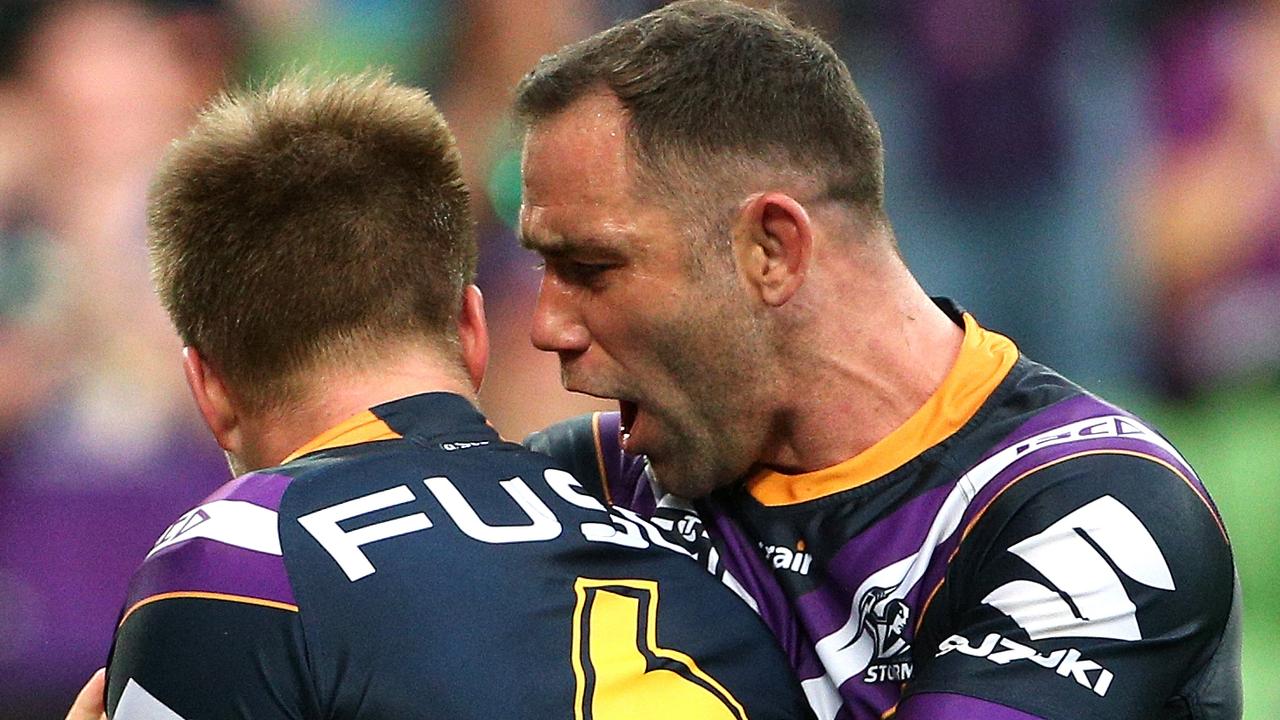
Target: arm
<point>1102,586</point>
<point>205,657</point>
<point>89,704</point>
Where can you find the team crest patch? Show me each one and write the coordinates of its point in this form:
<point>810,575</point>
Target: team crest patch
<point>885,619</point>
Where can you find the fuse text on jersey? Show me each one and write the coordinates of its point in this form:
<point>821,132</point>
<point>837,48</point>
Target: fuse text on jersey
<point>619,527</point>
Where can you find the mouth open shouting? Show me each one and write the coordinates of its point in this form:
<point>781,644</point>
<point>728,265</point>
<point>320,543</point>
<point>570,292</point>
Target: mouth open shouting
<point>627,418</point>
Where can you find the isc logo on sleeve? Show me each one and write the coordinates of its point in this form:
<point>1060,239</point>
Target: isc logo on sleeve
<point>1076,554</point>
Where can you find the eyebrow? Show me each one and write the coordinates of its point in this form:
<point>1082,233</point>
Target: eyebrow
<point>559,245</point>
<point>541,245</point>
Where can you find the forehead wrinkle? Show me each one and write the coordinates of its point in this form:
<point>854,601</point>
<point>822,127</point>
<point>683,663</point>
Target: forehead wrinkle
<point>566,228</point>
<point>580,190</point>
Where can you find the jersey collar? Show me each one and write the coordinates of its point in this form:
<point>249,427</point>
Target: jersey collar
<point>985,359</point>
<point>427,418</point>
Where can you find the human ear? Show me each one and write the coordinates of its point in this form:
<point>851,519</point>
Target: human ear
<point>473,334</point>
<point>773,241</point>
<point>214,401</point>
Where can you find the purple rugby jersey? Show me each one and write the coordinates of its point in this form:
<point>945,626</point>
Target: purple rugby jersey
<point>1019,549</point>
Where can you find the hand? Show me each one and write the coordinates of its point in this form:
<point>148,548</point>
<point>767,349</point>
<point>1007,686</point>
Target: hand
<point>89,703</point>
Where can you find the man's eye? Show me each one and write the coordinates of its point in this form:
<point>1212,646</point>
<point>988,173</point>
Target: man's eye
<point>581,273</point>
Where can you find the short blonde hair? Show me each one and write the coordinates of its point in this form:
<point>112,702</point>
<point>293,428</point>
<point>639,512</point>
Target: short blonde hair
<point>308,221</point>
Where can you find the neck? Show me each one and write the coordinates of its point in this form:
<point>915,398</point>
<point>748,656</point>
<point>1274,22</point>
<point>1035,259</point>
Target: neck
<point>876,349</point>
<point>332,396</point>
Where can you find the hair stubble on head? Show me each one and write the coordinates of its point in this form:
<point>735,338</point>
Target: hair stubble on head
<point>311,222</point>
<point>723,100</point>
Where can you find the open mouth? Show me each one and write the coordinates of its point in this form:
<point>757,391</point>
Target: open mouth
<point>627,417</point>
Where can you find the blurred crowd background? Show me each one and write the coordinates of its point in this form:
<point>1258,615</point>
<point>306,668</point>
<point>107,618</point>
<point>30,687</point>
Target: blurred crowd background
<point>1099,179</point>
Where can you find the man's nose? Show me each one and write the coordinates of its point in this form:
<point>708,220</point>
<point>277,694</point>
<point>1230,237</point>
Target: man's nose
<point>557,321</point>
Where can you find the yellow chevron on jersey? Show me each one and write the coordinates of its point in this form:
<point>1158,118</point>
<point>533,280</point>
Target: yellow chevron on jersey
<point>620,668</point>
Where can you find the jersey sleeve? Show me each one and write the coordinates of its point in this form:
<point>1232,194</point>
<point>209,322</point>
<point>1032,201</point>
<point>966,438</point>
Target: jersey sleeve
<point>193,657</point>
<point>1098,587</point>
<point>210,628</point>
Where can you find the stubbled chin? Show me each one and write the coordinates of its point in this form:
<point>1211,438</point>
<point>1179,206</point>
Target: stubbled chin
<point>675,482</point>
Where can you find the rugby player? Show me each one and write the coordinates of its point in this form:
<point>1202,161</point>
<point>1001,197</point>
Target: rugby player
<point>933,525</point>
<point>383,553</point>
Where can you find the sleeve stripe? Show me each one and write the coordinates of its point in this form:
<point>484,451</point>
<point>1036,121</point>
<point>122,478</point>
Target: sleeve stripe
<point>954,705</point>
<point>964,535</point>
<point>208,596</point>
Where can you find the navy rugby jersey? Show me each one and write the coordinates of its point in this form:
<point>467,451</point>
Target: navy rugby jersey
<point>410,564</point>
<point>1018,549</point>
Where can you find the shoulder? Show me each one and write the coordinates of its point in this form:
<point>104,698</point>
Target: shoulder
<point>1084,489</point>
<point>1120,509</point>
<point>588,447</point>
<point>563,439</point>
<point>575,445</point>
<point>226,547</point>
<point>1075,450</point>
<point>1082,463</point>
<point>1100,557</point>
<point>210,603</point>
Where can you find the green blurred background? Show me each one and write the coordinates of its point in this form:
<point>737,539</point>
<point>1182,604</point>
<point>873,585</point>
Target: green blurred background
<point>1231,437</point>
<point>1098,180</point>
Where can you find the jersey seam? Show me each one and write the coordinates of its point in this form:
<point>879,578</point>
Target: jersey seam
<point>598,448</point>
<point>313,691</point>
<point>203,595</point>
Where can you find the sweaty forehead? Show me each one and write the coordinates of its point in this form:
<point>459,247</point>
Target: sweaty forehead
<point>579,156</point>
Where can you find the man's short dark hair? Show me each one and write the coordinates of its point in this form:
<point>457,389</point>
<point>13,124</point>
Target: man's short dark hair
<point>311,222</point>
<point>706,83</point>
